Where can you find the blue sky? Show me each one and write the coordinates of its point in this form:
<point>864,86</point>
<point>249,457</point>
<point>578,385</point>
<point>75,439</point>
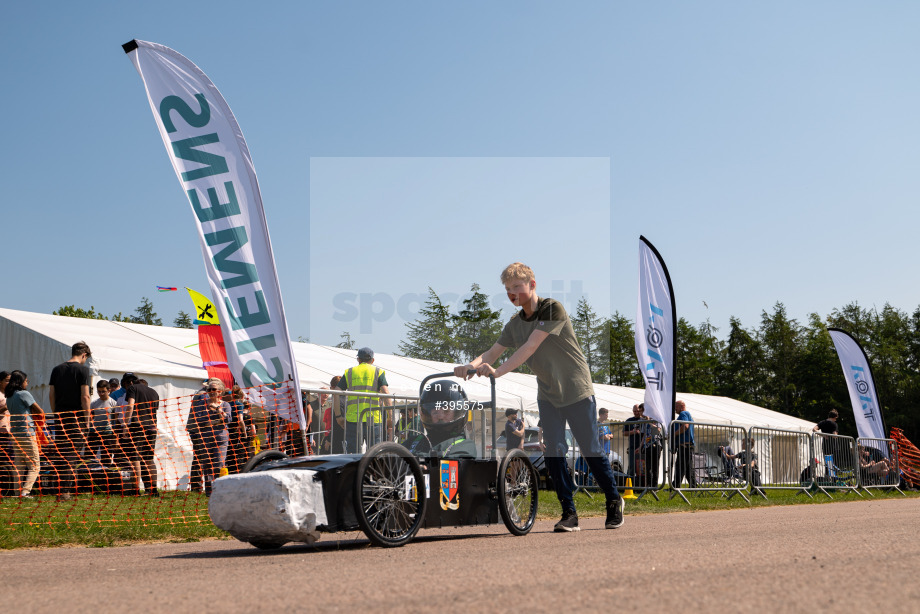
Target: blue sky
<point>768,151</point>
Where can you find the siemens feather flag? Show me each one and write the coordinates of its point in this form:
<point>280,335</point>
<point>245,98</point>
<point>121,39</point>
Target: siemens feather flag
<point>863,397</point>
<point>211,159</point>
<point>656,339</point>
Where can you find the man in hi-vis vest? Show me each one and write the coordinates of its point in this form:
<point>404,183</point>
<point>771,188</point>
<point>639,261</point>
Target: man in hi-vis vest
<point>364,377</point>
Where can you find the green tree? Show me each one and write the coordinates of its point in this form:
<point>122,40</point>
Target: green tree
<point>697,358</point>
<point>144,314</point>
<point>623,368</point>
<point>78,312</point>
<point>431,336</point>
<point>346,343</point>
<point>781,340</point>
<point>590,331</point>
<point>821,383</point>
<point>741,371</point>
<point>477,327</point>
<point>183,320</point>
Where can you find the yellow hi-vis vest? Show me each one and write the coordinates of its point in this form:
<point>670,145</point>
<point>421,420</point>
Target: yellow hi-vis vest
<point>362,378</point>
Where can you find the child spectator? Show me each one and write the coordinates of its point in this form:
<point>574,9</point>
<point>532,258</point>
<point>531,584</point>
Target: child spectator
<point>101,439</point>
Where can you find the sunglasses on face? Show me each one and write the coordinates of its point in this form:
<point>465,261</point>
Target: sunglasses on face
<point>213,389</point>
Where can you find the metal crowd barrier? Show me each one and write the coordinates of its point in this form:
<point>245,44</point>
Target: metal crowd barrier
<point>782,460</point>
<point>635,456</point>
<point>703,462</point>
<point>367,431</point>
<point>879,464</point>
<point>835,465</point>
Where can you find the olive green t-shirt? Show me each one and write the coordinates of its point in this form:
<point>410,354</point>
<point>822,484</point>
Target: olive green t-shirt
<point>562,372</point>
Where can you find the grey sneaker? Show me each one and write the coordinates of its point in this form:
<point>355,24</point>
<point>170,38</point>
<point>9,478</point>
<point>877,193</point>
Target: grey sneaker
<point>615,513</point>
<point>568,523</point>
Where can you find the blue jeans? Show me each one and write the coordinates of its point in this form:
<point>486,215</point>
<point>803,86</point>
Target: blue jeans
<point>582,419</point>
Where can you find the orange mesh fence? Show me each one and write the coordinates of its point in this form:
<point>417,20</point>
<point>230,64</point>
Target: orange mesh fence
<point>908,457</point>
<point>154,472</point>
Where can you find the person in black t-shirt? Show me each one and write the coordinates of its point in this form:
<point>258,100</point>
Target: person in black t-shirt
<point>69,399</point>
<point>514,430</point>
<point>829,427</point>
<point>140,415</point>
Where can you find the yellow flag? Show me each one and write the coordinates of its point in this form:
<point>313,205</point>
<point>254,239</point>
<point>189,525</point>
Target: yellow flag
<point>205,313</point>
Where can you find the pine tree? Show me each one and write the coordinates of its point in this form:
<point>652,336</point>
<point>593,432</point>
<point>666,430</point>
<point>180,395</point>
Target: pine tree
<point>594,342</point>
<point>623,369</point>
<point>431,336</point>
<point>781,341</point>
<point>346,343</point>
<point>477,327</point>
<point>741,371</point>
<point>145,314</point>
<point>183,320</point>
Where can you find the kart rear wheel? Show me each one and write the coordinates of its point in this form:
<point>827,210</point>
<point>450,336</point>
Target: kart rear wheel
<point>263,457</point>
<point>518,492</point>
<point>389,495</point>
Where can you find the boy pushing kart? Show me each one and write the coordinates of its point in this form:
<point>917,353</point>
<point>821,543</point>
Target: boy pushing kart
<point>546,341</point>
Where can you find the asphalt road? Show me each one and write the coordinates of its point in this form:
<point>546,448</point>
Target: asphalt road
<point>855,556</point>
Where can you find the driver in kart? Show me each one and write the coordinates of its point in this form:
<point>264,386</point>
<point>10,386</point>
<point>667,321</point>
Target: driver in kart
<point>444,410</point>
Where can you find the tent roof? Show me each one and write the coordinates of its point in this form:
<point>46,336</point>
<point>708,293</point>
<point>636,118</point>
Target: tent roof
<point>36,342</point>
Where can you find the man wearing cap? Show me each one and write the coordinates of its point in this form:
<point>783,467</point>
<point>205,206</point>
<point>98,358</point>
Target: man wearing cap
<point>364,377</point>
<point>69,398</point>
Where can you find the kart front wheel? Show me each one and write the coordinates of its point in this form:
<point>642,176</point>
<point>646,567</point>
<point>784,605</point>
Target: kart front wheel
<point>266,456</point>
<point>389,495</point>
<point>517,492</point>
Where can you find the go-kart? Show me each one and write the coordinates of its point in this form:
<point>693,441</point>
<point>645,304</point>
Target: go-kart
<point>389,493</point>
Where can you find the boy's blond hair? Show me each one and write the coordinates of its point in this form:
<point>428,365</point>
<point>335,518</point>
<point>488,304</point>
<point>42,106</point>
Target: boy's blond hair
<point>517,271</point>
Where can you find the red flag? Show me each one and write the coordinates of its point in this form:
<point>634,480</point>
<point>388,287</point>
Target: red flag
<point>213,354</point>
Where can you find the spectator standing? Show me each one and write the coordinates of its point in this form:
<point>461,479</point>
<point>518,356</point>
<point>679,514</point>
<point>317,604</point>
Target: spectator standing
<point>684,444</point>
<point>69,399</point>
<point>337,417</point>
<point>634,440</point>
<point>543,335</point>
<point>8,478</point>
<point>196,419</point>
<point>116,390</point>
<point>514,430</point>
<point>829,427</point>
<point>101,435</point>
<point>409,423</point>
<point>364,377</point>
<point>214,432</point>
<point>140,417</point>
<point>604,436</point>
<point>22,408</point>
<point>239,437</point>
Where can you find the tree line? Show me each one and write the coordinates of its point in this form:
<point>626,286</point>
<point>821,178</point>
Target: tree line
<point>144,314</point>
<point>779,363</point>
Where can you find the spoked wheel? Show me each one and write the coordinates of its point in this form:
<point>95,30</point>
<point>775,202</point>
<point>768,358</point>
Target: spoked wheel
<point>517,492</point>
<point>263,457</point>
<point>389,495</point>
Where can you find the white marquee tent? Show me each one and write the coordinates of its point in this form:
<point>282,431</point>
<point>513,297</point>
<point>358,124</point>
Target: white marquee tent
<point>168,359</point>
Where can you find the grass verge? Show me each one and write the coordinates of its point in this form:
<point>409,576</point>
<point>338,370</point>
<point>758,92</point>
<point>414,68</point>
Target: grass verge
<point>593,504</point>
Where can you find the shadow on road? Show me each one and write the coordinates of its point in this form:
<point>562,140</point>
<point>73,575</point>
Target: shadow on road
<point>358,543</point>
